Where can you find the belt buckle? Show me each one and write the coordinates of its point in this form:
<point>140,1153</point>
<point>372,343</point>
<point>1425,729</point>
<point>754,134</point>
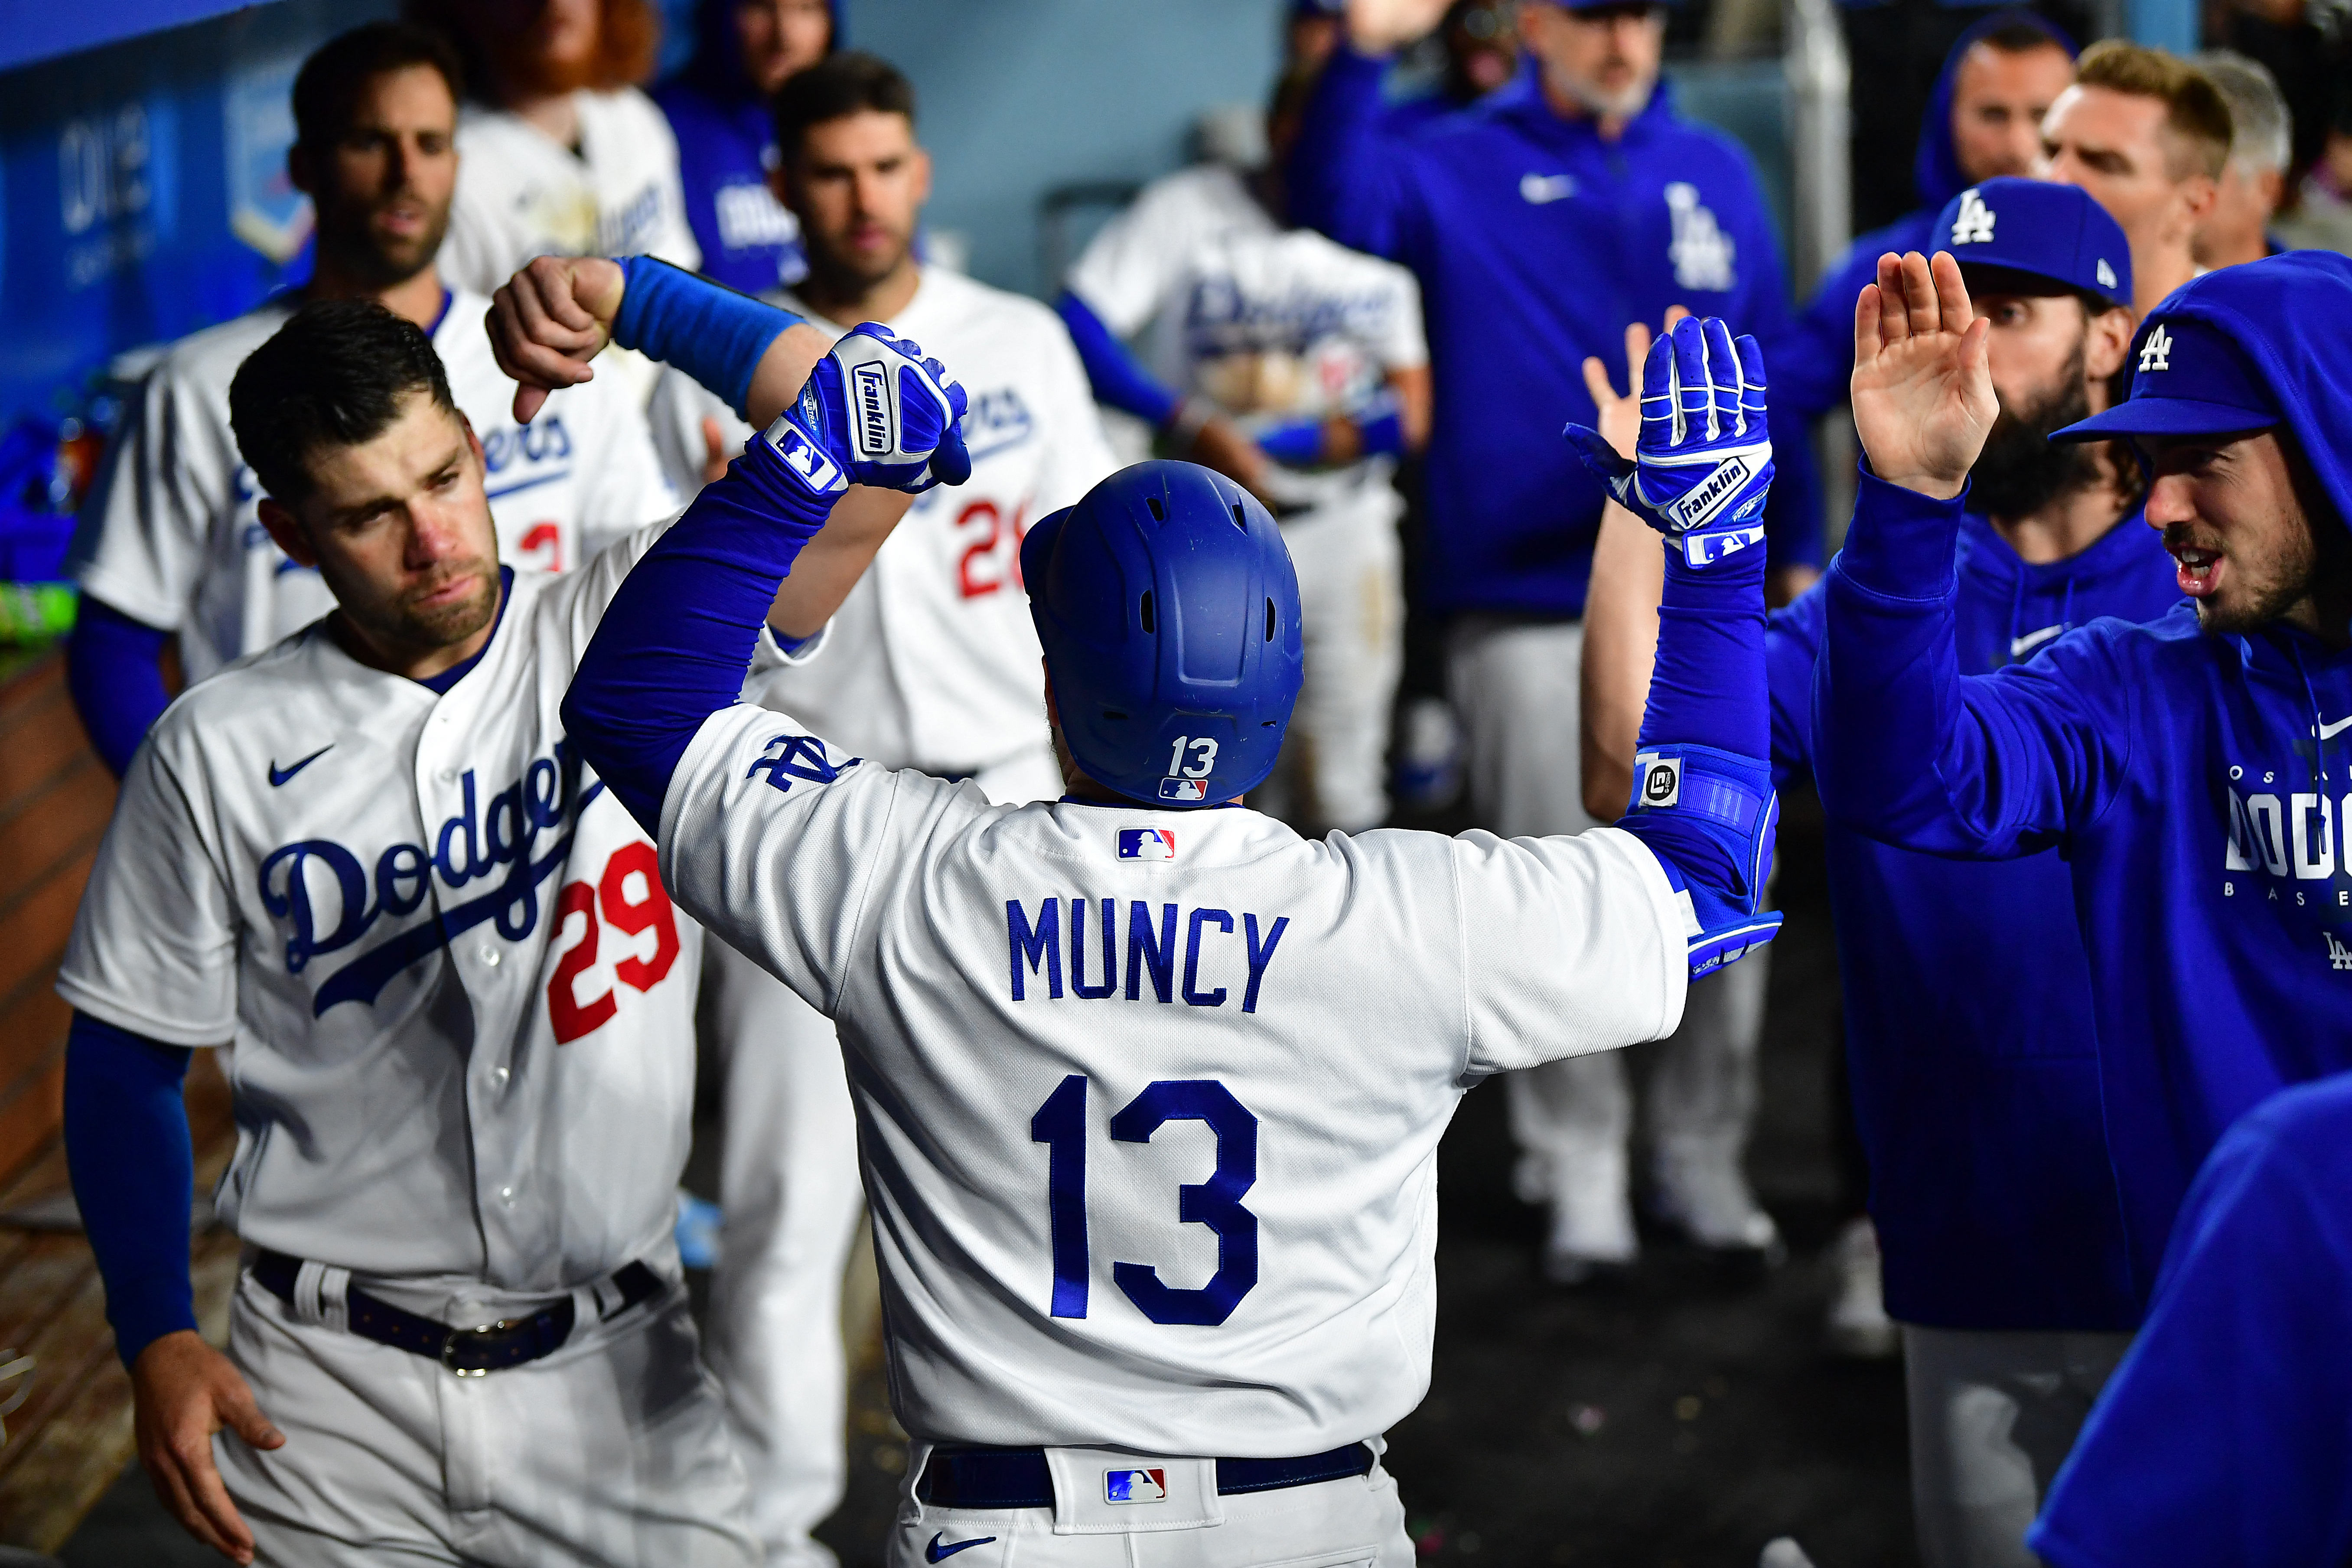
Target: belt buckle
<point>470,1336</point>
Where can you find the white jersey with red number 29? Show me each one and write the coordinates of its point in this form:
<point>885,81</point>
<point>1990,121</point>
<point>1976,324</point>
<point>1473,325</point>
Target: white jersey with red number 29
<point>463,1005</point>
<point>932,662</point>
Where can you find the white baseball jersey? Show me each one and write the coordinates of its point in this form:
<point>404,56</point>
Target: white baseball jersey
<point>521,193</point>
<point>1149,1103</point>
<point>172,535</point>
<point>463,1005</point>
<point>932,662</point>
<point>1272,325</point>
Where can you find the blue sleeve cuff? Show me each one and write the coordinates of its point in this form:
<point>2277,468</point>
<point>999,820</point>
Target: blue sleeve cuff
<point>1901,544</point>
<point>115,674</point>
<point>1117,376</point>
<point>129,1152</point>
<point>705,329</point>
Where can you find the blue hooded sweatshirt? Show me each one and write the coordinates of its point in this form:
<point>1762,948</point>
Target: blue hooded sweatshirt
<point>1967,997</point>
<point>1811,374</point>
<point>2224,1440</point>
<point>2194,783</point>
<point>725,143</point>
<point>1535,242</point>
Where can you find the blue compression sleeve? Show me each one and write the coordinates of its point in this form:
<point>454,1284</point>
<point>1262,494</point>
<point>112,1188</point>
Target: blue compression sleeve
<point>705,329</point>
<point>1117,376</point>
<point>128,1150</point>
<point>672,646</point>
<point>114,672</point>
<point>1296,442</point>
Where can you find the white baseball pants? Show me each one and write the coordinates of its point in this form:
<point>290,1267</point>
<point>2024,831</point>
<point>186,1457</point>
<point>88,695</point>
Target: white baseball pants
<point>1993,1415</point>
<point>610,1452</point>
<point>1355,1522</point>
<point>1516,688</point>
<point>1351,598</point>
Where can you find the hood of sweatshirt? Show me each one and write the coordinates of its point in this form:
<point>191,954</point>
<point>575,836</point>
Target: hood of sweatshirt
<point>718,67</point>
<point>1937,169</point>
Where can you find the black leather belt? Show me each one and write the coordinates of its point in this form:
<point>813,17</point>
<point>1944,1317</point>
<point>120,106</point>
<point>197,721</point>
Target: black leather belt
<point>468,1352</point>
<point>1018,1478</point>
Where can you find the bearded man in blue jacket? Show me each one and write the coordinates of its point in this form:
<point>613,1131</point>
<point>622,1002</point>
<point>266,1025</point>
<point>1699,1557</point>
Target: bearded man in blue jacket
<point>1538,223</point>
<point>2191,769</point>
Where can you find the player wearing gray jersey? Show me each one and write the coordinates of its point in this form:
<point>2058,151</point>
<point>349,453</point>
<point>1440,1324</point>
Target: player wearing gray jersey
<point>1156,1252</point>
<point>463,1010</point>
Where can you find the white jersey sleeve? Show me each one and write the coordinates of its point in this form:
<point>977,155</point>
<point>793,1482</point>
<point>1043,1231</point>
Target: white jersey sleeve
<point>1134,263</point>
<point>1393,332</point>
<point>1078,455</point>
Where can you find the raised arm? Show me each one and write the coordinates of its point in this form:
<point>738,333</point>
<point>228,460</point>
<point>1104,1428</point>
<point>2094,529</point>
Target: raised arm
<point>1905,749</point>
<point>1335,179</point>
<point>671,649</point>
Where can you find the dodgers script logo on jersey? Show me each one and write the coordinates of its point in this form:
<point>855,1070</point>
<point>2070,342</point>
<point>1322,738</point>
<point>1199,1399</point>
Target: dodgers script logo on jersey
<point>2290,839</point>
<point>329,897</point>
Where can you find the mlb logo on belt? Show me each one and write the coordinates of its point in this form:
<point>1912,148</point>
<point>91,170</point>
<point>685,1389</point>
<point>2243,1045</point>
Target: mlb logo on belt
<point>1183,789</point>
<point>1135,1486</point>
<point>1147,844</point>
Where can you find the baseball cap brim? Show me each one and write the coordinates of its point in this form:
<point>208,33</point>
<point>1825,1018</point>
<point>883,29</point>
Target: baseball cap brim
<point>2166,416</point>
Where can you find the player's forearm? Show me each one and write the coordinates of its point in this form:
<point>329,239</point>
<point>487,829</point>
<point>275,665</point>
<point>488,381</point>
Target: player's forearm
<point>1621,642</point>
<point>1116,376</point>
<point>829,566</point>
<point>115,674</point>
<point>673,643</point>
<point>1331,182</point>
<point>129,1156</point>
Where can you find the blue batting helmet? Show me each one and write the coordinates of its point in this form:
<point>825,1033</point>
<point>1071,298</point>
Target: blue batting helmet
<point>1168,612</point>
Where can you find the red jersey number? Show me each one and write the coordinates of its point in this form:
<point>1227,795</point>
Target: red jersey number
<point>629,908</point>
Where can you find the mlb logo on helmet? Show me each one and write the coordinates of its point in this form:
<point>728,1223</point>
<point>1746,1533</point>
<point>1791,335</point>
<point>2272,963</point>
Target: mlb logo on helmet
<point>1147,844</point>
<point>1183,789</point>
<point>1135,1486</point>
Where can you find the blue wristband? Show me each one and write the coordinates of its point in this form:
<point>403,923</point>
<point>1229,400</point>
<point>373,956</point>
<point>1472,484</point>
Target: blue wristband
<point>1297,443</point>
<point>705,329</point>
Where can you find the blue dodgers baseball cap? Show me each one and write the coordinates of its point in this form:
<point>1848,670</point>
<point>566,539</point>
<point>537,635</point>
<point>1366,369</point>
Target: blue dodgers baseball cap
<point>2191,379</point>
<point>2049,231</point>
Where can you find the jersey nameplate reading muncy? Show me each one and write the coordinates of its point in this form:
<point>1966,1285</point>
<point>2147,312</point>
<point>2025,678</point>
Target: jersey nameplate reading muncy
<point>1125,1077</point>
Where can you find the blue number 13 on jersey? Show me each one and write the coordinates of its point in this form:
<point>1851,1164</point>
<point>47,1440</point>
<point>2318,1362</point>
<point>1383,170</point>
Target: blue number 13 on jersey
<point>1061,1125</point>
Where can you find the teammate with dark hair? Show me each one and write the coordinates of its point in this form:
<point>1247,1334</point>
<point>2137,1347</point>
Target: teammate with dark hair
<point>170,543</point>
<point>2188,769</point>
<point>1035,1001</point>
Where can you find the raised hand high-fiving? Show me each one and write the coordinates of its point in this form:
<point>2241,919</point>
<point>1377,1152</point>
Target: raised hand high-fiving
<point>1923,398</point>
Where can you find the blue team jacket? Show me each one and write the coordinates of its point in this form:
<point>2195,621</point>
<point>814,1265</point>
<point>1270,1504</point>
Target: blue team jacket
<point>1535,242</point>
<point>2195,785</point>
<point>1974,1062</point>
<point>2224,1439</point>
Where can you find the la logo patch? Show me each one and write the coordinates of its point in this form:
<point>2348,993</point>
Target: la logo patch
<point>2106,274</point>
<point>2157,352</point>
<point>2339,955</point>
<point>1974,226</point>
<point>1147,844</point>
<point>1135,1486</point>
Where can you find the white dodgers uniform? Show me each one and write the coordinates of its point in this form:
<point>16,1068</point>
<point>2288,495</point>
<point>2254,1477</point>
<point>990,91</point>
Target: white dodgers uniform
<point>521,193</point>
<point>172,535</point>
<point>1275,326</point>
<point>932,662</point>
<point>1148,1106</point>
<point>462,1009</point>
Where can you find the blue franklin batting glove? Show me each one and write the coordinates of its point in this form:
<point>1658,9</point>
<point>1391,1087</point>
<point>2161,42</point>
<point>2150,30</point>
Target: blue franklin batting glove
<point>874,412</point>
<point>1703,464</point>
<point>1711,816</point>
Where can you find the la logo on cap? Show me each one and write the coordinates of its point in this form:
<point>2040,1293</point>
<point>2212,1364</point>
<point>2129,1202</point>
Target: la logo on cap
<point>2157,352</point>
<point>1974,226</point>
<point>2106,274</point>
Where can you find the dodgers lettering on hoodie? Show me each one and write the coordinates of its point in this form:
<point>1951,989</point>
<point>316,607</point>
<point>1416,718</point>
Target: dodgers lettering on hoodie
<point>2197,784</point>
<point>1535,242</point>
<point>1967,996</point>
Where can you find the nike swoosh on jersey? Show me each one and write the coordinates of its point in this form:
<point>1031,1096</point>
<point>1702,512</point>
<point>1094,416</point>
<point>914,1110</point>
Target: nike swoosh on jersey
<point>2329,731</point>
<point>935,1553</point>
<point>2018,645</point>
<point>278,775</point>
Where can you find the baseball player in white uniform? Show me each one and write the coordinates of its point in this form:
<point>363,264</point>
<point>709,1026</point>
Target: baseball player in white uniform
<point>562,156</point>
<point>463,1006</point>
<point>1284,332</point>
<point>1150,1095</point>
<point>932,663</point>
<point>172,538</point>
